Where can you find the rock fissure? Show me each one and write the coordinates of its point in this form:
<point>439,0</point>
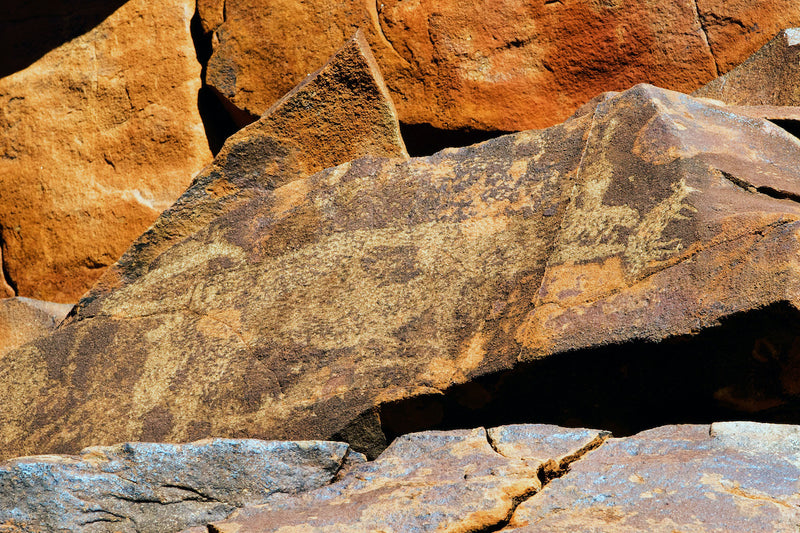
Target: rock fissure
<point>765,190</point>
<point>704,34</point>
<point>548,471</point>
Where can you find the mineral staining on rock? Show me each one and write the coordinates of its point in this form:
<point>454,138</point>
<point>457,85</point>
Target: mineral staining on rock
<point>98,137</point>
<point>483,65</point>
<point>300,311</point>
<point>154,488</point>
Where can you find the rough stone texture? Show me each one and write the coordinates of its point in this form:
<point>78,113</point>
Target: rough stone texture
<point>23,319</point>
<point>143,487</point>
<point>96,138</point>
<point>433,481</point>
<point>737,28</point>
<point>498,66</point>
<point>768,77</point>
<point>730,476</point>
<point>648,215</point>
<point>552,446</point>
<point>339,113</point>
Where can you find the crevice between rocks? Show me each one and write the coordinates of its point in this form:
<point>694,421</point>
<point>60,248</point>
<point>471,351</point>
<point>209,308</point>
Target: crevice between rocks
<point>217,120</point>
<point>547,472</point>
<point>745,368</point>
<point>424,139</point>
<point>768,191</point>
<point>5,276</point>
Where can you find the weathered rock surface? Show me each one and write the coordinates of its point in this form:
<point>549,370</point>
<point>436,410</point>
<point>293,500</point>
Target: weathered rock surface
<point>339,113</point>
<point>768,77</point>
<point>507,67</point>
<point>301,313</point>
<point>23,319</point>
<point>144,487</point>
<point>97,138</point>
<point>731,476</point>
<point>433,481</point>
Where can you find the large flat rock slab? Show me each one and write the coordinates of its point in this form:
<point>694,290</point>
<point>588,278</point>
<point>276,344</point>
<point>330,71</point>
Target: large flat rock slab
<point>731,476</point>
<point>460,480</point>
<point>306,310</point>
<point>97,137</point>
<point>148,487</point>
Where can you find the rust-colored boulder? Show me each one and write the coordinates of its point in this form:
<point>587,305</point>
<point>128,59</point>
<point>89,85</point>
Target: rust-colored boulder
<point>97,138</point>
<point>340,112</point>
<point>23,319</point>
<point>768,77</point>
<point>487,65</point>
<point>731,476</point>
<point>312,309</point>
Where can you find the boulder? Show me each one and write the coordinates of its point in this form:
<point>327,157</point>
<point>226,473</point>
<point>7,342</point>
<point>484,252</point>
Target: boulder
<point>155,488</point>
<point>24,319</point>
<point>99,135</point>
<point>730,476</point>
<point>767,78</point>
<point>480,65</point>
<point>433,481</point>
<point>313,310</point>
<point>340,112</point>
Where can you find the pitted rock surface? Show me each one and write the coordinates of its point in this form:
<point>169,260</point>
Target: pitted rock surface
<point>147,487</point>
<point>484,65</point>
<point>24,319</point>
<point>97,138</point>
<point>338,113</point>
<point>649,215</point>
<point>729,476</point>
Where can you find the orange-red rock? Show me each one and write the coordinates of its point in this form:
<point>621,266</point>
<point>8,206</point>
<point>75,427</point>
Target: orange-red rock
<point>767,78</point>
<point>312,309</point>
<point>506,65</point>
<point>97,138</point>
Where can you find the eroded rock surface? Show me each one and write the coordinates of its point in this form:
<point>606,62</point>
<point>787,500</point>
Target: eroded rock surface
<point>731,476</point>
<point>768,77</point>
<point>340,112</point>
<point>147,487</point>
<point>301,313</point>
<point>433,481</point>
<point>23,319</point>
<point>506,67</point>
<point>97,138</point>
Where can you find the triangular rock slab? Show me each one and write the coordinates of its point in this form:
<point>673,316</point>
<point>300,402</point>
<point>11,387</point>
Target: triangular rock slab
<point>341,112</point>
<point>152,488</point>
<point>768,77</point>
<point>730,476</point>
<point>300,312</point>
